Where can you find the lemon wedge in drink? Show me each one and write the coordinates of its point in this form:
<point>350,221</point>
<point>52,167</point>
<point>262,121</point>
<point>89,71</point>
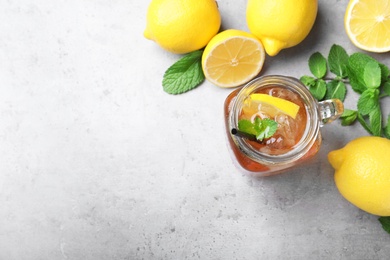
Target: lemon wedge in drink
<point>286,107</point>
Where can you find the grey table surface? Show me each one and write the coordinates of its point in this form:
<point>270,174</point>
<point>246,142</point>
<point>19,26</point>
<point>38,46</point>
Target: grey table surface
<point>98,162</point>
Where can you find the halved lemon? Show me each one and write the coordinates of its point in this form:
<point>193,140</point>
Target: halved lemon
<point>367,23</point>
<point>232,58</point>
<point>286,107</point>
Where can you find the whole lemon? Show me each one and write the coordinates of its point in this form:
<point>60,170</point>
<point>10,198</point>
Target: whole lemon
<point>280,24</point>
<point>182,26</point>
<point>363,173</point>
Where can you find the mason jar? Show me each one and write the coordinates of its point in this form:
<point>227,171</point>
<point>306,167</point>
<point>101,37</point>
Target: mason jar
<point>258,162</point>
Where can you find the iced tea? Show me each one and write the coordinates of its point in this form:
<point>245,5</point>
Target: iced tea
<point>290,130</point>
<point>296,138</point>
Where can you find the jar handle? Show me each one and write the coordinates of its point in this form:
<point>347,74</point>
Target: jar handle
<point>330,110</point>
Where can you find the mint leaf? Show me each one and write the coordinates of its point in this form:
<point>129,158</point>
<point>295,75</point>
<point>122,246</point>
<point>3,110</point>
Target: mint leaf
<point>318,90</point>
<point>385,221</point>
<point>336,89</point>
<point>356,64</point>
<point>354,81</point>
<point>363,122</point>
<point>386,129</point>
<point>261,128</point>
<point>385,72</point>
<point>348,117</point>
<point>247,126</point>
<point>372,74</point>
<point>374,124</point>
<point>265,128</point>
<point>338,60</point>
<point>368,101</point>
<point>185,74</point>
<point>308,81</point>
<point>375,118</point>
<point>317,65</point>
<point>386,88</point>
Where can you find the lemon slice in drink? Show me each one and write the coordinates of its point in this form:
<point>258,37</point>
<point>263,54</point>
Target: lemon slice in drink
<point>232,58</point>
<point>367,24</point>
<point>286,107</point>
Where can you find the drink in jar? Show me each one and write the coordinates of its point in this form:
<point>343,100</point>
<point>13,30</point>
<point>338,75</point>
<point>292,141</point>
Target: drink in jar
<point>297,137</point>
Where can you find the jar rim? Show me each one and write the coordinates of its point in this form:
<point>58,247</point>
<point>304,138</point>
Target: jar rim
<point>312,124</point>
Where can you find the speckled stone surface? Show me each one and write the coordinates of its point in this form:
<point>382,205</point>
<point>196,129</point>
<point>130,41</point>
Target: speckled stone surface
<point>98,162</point>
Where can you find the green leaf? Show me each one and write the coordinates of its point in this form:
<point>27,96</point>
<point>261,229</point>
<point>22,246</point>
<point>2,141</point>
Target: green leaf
<point>368,101</point>
<point>185,74</point>
<point>247,126</point>
<point>385,221</point>
<point>336,89</point>
<point>308,81</point>
<point>354,81</point>
<point>265,128</point>
<point>338,60</point>
<point>386,129</point>
<point>348,117</point>
<point>385,72</point>
<point>375,118</point>
<point>356,64</point>
<point>386,88</point>
<point>317,65</point>
<point>318,90</point>
<point>261,128</point>
<point>363,122</point>
<point>372,74</point>
<point>374,124</point>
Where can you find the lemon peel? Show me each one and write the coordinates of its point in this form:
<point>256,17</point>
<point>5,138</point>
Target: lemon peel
<point>280,24</point>
<point>362,173</point>
<point>182,26</point>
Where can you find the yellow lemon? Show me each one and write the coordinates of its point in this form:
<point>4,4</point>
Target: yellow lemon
<point>362,173</point>
<point>280,24</point>
<point>285,106</point>
<point>232,58</point>
<point>367,23</point>
<point>182,26</point>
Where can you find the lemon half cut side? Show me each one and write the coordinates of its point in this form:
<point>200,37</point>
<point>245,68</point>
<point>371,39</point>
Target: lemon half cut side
<point>232,58</point>
<point>367,24</point>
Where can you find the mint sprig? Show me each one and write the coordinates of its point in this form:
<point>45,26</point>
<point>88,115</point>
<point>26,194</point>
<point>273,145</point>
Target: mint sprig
<point>366,76</point>
<point>261,128</point>
<point>322,87</point>
<point>185,74</point>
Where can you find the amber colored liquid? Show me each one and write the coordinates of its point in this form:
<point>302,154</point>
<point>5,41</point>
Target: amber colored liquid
<point>289,133</point>
<point>290,130</point>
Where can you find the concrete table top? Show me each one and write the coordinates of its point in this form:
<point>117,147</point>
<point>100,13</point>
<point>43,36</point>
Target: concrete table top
<point>98,162</point>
